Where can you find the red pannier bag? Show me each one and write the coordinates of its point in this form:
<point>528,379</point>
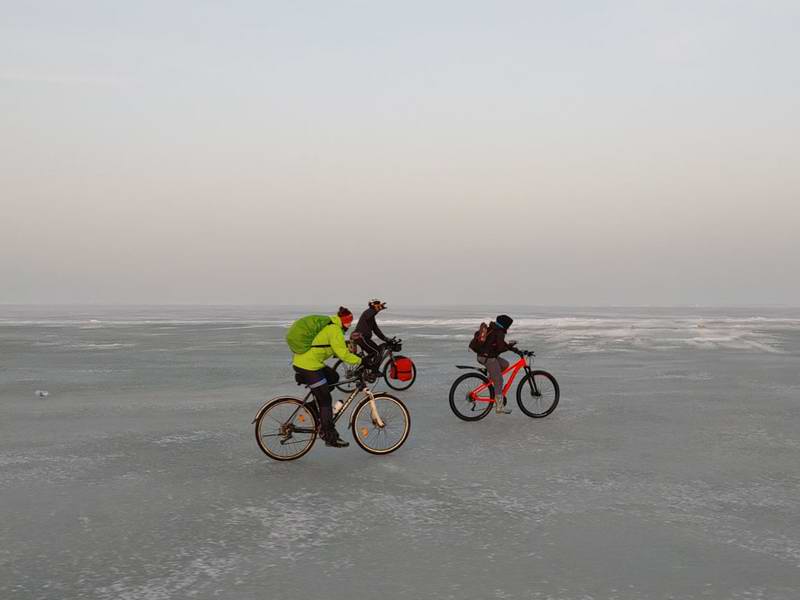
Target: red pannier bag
<point>402,369</point>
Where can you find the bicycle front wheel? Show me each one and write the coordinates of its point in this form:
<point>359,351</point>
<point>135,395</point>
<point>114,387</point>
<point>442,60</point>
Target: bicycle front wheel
<point>397,384</point>
<point>286,429</point>
<point>462,402</point>
<point>538,394</point>
<point>384,432</point>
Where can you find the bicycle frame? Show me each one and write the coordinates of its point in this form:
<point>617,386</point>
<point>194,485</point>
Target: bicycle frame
<point>513,369</point>
<point>376,417</point>
<point>387,355</point>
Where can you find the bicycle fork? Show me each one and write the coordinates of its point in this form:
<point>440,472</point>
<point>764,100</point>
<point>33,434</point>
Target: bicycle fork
<point>532,382</point>
<point>373,410</point>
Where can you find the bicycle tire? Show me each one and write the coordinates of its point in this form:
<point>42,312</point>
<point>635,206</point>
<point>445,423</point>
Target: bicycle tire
<point>264,418</point>
<point>459,406</point>
<point>545,382</point>
<point>365,430</point>
<point>341,369</point>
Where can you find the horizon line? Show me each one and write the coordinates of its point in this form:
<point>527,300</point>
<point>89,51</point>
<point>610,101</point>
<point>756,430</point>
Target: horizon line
<point>410,305</point>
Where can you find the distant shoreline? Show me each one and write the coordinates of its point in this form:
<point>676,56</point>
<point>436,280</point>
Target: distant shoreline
<point>505,305</point>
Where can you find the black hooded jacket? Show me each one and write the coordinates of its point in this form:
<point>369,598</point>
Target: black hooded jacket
<point>367,326</point>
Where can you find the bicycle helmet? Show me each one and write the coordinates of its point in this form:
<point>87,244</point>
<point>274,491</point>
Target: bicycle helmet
<point>377,302</point>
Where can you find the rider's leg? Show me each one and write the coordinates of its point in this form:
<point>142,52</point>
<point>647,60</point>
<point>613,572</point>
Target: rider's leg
<point>372,353</point>
<point>500,365</point>
<point>323,395</point>
<point>331,375</point>
<point>320,387</point>
<point>496,366</point>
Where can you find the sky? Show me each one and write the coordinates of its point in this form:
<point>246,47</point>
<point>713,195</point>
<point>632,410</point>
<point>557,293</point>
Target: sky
<point>456,152</point>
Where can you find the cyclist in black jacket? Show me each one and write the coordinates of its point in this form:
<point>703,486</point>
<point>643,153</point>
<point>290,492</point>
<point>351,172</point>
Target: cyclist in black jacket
<point>489,356</point>
<point>363,334</point>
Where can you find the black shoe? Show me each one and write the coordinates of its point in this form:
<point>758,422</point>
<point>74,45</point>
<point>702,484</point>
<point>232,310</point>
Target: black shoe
<point>334,441</point>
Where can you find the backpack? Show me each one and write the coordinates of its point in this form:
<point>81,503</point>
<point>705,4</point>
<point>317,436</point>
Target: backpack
<point>402,369</point>
<point>301,334</point>
<point>479,339</point>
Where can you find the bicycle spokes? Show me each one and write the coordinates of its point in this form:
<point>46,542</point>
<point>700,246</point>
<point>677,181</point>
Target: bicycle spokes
<point>471,397</point>
<point>381,424</point>
<point>286,429</point>
<point>538,394</point>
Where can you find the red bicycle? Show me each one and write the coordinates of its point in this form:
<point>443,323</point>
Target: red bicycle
<point>472,394</point>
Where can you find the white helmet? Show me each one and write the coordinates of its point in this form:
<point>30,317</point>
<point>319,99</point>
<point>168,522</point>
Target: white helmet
<point>376,301</point>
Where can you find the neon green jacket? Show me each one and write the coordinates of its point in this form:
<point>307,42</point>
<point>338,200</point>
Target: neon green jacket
<point>332,337</point>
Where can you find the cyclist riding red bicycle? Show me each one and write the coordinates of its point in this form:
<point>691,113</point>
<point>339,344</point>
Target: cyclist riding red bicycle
<point>472,394</point>
<point>489,351</point>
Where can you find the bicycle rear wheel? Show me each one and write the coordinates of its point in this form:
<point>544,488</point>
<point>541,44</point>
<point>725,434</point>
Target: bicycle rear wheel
<point>463,405</point>
<point>382,438</point>
<point>286,429</point>
<point>538,394</point>
<point>345,372</point>
<point>397,384</point>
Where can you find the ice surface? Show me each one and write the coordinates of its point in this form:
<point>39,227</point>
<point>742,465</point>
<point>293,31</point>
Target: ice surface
<point>669,470</point>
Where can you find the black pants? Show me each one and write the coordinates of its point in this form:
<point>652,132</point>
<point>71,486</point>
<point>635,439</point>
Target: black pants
<point>373,353</point>
<point>320,383</point>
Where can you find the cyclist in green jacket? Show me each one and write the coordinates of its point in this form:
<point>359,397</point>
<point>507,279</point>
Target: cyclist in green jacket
<point>312,371</point>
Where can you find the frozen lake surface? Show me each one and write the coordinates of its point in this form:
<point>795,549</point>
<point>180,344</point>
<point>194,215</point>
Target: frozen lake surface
<point>669,469</point>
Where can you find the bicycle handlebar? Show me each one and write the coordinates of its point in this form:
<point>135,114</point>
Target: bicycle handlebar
<point>395,344</point>
<point>522,352</point>
<point>363,375</point>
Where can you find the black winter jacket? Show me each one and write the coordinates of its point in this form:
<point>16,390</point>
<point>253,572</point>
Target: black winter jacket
<point>495,343</point>
<point>367,326</point>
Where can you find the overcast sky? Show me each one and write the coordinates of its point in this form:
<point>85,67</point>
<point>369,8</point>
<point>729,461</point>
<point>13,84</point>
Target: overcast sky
<point>425,152</point>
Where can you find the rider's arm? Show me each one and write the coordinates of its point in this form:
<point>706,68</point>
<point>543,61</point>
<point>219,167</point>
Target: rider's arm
<point>376,330</point>
<point>339,347</point>
<point>500,343</point>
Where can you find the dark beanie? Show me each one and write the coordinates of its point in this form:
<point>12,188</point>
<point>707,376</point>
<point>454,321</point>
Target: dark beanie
<point>504,321</point>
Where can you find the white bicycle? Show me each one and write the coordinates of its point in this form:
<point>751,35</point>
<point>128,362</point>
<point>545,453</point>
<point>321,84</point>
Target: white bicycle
<point>287,427</point>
